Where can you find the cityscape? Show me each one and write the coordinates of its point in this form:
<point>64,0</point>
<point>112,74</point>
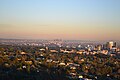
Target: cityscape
<point>59,39</point>
<point>59,60</point>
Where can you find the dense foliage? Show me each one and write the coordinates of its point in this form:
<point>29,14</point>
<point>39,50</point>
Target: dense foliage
<point>44,65</point>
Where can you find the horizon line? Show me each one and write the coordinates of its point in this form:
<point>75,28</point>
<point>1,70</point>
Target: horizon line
<point>56,39</point>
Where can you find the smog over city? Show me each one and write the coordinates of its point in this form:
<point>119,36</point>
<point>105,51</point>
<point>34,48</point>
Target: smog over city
<point>59,39</point>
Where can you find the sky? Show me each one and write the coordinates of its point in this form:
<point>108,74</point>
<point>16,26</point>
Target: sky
<point>60,19</point>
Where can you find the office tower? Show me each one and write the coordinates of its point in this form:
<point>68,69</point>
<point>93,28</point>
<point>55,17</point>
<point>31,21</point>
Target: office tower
<point>111,44</point>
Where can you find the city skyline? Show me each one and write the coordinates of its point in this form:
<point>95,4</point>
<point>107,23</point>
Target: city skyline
<point>64,19</point>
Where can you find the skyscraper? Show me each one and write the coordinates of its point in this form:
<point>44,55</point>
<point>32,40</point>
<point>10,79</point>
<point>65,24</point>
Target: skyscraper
<point>111,44</point>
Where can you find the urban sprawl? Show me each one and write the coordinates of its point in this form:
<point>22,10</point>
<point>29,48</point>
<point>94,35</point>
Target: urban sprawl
<point>59,60</point>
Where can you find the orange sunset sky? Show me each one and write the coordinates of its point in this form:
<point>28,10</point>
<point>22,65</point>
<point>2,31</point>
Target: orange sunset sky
<point>64,19</point>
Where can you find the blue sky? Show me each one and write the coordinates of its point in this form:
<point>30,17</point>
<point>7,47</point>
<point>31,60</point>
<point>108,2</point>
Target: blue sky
<point>66,19</point>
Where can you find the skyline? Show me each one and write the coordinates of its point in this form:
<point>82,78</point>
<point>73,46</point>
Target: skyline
<point>65,19</point>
